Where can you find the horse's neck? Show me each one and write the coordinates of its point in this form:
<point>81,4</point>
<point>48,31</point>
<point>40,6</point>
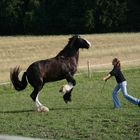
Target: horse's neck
<point>77,57</point>
<point>69,53</point>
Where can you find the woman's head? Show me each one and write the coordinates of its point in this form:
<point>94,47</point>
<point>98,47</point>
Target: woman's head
<point>116,62</point>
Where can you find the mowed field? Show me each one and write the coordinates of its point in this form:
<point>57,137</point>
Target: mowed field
<point>23,50</point>
<point>90,115</point>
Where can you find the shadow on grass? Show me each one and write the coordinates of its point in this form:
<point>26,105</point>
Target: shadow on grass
<point>79,108</point>
<point>57,108</point>
<point>17,111</point>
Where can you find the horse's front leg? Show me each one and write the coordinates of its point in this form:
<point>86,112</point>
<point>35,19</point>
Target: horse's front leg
<point>67,89</point>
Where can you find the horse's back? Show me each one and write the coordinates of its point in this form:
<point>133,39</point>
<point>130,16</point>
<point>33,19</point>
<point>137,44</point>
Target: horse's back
<point>48,70</point>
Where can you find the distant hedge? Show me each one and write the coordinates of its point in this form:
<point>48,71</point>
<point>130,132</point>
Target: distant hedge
<point>68,16</point>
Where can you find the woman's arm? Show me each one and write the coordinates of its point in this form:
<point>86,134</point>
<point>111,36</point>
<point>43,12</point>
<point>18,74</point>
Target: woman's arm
<point>107,77</point>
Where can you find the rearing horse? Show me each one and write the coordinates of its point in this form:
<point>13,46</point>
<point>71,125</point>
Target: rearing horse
<point>62,66</point>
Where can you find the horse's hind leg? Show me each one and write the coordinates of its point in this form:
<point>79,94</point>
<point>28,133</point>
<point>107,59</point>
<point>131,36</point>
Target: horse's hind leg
<point>35,96</point>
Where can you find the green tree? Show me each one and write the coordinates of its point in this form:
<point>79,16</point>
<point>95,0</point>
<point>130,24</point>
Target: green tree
<point>10,11</point>
<point>133,15</point>
<point>68,16</point>
<point>110,15</point>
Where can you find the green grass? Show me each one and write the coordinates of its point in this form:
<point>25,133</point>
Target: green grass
<point>90,115</point>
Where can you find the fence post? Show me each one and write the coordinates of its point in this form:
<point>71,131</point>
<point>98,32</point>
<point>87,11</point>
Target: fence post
<point>88,64</point>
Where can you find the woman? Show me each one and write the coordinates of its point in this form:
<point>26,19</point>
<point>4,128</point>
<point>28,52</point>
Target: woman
<point>121,84</point>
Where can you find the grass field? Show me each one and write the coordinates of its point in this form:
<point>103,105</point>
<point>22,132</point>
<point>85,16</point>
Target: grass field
<point>90,115</point>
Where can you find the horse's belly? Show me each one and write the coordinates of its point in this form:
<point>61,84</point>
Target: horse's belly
<point>53,78</point>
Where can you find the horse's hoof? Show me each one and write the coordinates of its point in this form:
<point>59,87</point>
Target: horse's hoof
<point>67,96</point>
<point>42,109</point>
<point>61,90</point>
<point>66,101</point>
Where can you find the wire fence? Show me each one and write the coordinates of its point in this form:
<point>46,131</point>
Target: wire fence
<point>89,69</point>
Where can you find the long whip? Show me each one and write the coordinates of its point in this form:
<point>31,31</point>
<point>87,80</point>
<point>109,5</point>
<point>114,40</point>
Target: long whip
<point>103,86</point>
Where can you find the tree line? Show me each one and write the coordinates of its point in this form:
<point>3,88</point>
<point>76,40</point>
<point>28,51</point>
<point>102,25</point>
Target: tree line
<point>68,16</point>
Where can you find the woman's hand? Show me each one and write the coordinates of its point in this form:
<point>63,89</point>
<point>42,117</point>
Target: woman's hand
<point>106,77</point>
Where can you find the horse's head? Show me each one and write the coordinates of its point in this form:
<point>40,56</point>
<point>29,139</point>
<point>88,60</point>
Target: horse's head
<point>72,48</point>
<point>78,42</point>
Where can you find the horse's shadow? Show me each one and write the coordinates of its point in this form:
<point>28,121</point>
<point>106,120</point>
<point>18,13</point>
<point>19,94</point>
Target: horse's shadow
<point>73,108</point>
<point>51,109</point>
<point>56,109</point>
<point>17,111</point>
<point>78,108</point>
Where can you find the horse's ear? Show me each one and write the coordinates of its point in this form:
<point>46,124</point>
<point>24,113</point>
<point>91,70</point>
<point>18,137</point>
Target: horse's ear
<point>71,37</point>
<point>76,36</point>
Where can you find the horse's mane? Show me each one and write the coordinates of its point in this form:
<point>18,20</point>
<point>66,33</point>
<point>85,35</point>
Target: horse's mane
<point>68,51</point>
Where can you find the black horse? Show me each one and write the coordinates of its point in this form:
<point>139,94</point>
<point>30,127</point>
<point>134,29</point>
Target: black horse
<point>62,66</point>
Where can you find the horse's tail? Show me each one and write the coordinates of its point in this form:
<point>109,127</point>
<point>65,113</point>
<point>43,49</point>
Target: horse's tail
<point>18,85</point>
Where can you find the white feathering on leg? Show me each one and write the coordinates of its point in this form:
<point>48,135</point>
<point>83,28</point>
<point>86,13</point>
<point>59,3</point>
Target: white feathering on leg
<point>39,106</point>
<point>66,88</point>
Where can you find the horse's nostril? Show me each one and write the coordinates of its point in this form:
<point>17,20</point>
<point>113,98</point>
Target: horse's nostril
<point>89,44</point>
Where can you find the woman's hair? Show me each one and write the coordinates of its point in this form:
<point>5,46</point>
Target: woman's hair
<point>118,64</point>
